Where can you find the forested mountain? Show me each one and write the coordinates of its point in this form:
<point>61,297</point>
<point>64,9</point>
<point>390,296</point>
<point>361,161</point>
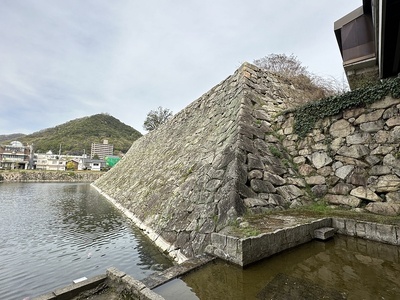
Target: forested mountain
<point>76,136</point>
<point>11,137</point>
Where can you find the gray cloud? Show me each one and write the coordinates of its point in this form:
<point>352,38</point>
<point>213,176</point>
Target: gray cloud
<point>61,60</point>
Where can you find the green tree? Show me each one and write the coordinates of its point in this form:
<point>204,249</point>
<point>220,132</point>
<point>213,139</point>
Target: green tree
<point>156,117</point>
<point>70,165</point>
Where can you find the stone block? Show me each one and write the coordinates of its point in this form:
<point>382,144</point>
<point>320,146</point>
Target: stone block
<point>343,200</point>
<point>369,117</point>
<point>341,128</point>
<point>385,103</point>
<point>289,192</point>
<point>315,180</point>
<point>395,121</point>
<point>354,151</point>
<point>320,159</point>
<point>339,224</point>
<point>372,126</point>
<point>324,233</point>
<point>365,193</point>
<point>358,138</point>
<point>384,208</point>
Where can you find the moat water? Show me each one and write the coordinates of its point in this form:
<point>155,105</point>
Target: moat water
<point>341,268</point>
<point>53,233</point>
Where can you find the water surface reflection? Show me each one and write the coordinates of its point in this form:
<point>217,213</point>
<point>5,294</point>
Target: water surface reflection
<point>342,268</point>
<point>52,233</point>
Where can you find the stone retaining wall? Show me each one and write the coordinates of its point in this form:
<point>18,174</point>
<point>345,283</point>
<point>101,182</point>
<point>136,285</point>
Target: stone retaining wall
<point>353,158</point>
<point>234,151</point>
<point>48,176</point>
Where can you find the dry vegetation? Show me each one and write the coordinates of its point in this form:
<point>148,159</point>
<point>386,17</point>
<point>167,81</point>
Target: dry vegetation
<point>291,69</point>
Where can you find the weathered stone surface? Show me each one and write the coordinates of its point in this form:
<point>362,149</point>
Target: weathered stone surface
<point>353,113</point>
<point>306,170</point>
<point>372,126</point>
<point>372,160</point>
<point>385,103</point>
<point>341,189</point>
<point>319,190</point>
<point>300,182</point>
<point>379,170</point>
<point>325,171</point>
<point>358,177</point>
<point>343,200</point>
<point>391,161</point>
<point>354,151</point>
<point>358,138</point>
<point>382,150</point>
<point>370,117</point>
<point>395,135</point>
<point>384,208</point>
<point>394,121</point>
<point>255,174</point>
<point>320,159</point>
<point>252,202</point>
<point>388,183</point>
<point>314,180</point>
<point>276,180</point>
<point>390,112</point>
<point>382,136</point>
<point>365,193</point>
<point>344,171</point>
<point>289,192</point>
<point>278,200</point>
<point>341,128</point>
<point>262,186</point>
<point>351,161</point>
<point>254,162</point>
<point>393,197</point>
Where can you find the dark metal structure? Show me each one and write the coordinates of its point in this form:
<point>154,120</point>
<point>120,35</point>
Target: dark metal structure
<point>369,40</point>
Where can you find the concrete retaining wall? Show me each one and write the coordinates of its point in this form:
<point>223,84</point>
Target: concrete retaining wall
<point>71,291</point>
<point>388,234</point>
<point>244,251</point>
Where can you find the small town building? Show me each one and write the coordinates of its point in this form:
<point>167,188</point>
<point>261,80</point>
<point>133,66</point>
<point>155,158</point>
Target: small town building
<point>16,156</point>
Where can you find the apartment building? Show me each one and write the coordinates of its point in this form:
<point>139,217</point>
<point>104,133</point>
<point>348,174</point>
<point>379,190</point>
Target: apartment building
<point>102,150</point>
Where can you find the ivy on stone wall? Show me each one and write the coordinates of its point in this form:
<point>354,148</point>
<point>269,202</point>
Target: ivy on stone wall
<point>307,115</point>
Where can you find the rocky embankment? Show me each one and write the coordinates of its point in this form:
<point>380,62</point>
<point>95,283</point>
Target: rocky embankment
<point>234,151</point>
<point>48,176</point>
<point>352,158</point>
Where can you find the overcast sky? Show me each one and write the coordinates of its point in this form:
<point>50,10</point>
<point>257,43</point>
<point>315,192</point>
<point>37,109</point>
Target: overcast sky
<point>66,59</point>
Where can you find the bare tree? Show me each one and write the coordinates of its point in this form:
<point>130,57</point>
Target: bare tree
<point>282,64</point>
<point>156,117</point>
<point>291,68</point>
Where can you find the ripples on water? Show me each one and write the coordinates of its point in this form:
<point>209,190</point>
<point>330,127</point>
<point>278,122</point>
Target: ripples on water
<point>53,233</point>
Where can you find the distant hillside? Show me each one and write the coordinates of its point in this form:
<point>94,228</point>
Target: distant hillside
<point>10,137</point>
<point>77,135</point>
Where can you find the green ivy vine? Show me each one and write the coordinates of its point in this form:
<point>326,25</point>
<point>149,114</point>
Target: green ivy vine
<point>307,115</point>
